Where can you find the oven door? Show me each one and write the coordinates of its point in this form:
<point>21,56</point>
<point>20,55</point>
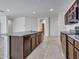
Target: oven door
<point>77,30</point>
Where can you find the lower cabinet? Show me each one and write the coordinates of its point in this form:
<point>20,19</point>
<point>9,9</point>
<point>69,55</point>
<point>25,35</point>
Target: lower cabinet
<point>63,42</point>
<point>76,54</point>
<point>36,40</point>
<point>33,42</point>
<point>70,47</point>
<point>27,46</point>
<point>70,51</point>
<point>22,46</point>
<point>39,41</point>
<point>16,47</point>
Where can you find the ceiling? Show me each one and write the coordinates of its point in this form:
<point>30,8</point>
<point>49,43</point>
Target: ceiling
<point>26,7</point>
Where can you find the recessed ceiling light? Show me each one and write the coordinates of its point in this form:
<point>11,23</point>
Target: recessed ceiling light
<point>34,12</point>
<point>8,10</point>
<point>51,9</point>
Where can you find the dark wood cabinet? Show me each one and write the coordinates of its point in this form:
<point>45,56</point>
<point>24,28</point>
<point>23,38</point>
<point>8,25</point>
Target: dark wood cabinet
<point>21,45</point>
<point>72,46</point>
<point>72,14</point>
<point>16,47</point>
<point>63,42</point>
<point>76,54</point>
<point>33,42</point>
<point>76,50</point>
<point>70,51</point>
<point>77,45</point>
<point>27,46</point>
<point>39,38</point>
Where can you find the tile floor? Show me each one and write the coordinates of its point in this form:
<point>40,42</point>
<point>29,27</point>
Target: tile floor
<point>50,48</point>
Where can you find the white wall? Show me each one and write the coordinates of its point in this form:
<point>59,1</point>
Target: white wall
<point>57,22</point>
<point>47,32</point>
<point>31,24</point>
<point>5,40</point>
<point>10,25</point>
<point>25,24</point>
<point>19,24</point>
<point>61,23</point>
<point>54,26</point>
<point>4,24</point>
<point>61,20</point>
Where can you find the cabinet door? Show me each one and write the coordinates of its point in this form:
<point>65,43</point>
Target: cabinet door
<point>33,42</point>
<point>70,51</point>
<point>63,39</point>
<point>63,42</point>
<point>27,46</point>
<point>76,55</point>
<point>37,39</point>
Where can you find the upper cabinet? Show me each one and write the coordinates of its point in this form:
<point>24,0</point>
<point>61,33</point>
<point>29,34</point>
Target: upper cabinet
<point>72,15</point>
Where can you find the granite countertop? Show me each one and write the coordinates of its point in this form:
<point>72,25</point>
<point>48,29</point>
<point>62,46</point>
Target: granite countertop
<point>19,33</point>
<point>23,33</point>
<point>69,33</point>
<point>75,37</point>
<point>3,34</point>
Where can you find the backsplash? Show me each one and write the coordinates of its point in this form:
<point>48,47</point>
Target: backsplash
<point>68,27</point>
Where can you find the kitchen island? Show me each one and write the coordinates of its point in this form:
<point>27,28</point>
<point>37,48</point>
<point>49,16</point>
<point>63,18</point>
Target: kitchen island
<point>23,43</point>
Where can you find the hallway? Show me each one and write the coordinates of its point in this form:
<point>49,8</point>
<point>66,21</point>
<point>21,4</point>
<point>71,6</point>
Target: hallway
<point>50,48</point>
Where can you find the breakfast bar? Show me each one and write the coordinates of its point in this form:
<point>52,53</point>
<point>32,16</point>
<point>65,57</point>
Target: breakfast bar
<point>23,43</point>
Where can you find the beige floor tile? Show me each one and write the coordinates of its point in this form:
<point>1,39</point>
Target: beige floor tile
<point>50,48</point>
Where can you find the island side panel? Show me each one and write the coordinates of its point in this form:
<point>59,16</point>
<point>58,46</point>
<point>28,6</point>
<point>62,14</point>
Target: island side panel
<point>16,47</point>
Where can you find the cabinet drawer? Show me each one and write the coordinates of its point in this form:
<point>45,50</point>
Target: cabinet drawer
<point>33,42</point>
<point>70,40</point>
<point>77,44</point>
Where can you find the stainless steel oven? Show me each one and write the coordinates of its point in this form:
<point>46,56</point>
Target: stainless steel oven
<point>77,30</point>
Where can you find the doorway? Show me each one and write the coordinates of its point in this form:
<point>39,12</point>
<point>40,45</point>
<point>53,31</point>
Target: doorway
<point>43,28</point>
<point>42,25</point>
